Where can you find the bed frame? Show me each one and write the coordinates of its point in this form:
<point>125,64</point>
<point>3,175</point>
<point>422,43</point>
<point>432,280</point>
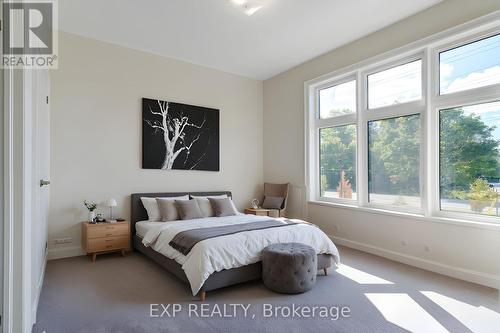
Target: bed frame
<point>217,280</point>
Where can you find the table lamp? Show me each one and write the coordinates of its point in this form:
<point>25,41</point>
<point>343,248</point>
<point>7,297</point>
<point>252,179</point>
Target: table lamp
<point>110,203</point>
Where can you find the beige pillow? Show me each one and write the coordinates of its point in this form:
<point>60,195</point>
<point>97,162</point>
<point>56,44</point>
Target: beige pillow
<point>188,209</point>
<point>223,207</point>
<point>205,205</point>
<point>168,209</point>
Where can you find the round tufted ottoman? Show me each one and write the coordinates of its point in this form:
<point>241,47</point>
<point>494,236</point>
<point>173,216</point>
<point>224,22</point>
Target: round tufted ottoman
<point>289,268</point>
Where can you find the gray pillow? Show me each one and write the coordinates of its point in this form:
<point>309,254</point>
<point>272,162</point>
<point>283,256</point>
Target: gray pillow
<point>223,207</point>
<point>188,209</point>
<point>272,202</point>
<point>168,209</point>
<point>205,205</point>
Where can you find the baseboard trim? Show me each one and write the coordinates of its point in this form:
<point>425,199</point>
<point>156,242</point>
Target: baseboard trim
<point>34,307</point>
<point>485,279</point>
<point>65,252</point>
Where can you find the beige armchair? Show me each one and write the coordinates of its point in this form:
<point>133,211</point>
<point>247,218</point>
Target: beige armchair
<point>277,190</point>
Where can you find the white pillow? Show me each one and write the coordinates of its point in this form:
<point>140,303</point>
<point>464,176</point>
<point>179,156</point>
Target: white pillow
<point>152,208</point>
<point>204,204</point>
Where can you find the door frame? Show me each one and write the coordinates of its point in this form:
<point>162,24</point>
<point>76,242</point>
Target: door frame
<point>16,181</point>
<point>2,183</point>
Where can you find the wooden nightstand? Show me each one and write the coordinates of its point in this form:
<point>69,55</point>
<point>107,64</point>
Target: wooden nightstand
<point>258,211</point>
<point>105,237</point>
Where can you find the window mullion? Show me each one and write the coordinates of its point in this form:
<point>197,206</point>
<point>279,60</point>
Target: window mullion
<point>362,151</point>
<point>394,112</point>
<point>424,134</point>
<point>336,121</point>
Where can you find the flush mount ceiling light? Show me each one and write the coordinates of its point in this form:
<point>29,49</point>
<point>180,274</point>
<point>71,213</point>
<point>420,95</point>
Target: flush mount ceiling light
<point>249,7</point>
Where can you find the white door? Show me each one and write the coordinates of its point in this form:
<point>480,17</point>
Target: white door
<point>41,176</point>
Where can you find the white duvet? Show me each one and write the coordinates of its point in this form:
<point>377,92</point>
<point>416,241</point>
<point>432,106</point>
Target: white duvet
<point>231,251</point>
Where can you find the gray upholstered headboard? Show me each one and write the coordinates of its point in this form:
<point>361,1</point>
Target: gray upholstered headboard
<point>138,212</point>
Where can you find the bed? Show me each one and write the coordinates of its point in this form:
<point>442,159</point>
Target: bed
<point>144,231</point>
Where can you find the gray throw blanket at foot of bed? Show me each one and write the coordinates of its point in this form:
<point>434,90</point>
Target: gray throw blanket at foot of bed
<point>185,240</point>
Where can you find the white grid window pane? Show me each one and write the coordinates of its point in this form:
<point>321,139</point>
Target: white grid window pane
<point>469,140</point>
<point>396,85</point>
<point>338,162</point>
<point>394,161</point>
<point>337,100</point>
<point>470,66</point>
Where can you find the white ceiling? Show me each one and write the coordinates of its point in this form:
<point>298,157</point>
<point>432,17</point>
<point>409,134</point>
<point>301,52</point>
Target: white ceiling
<point>216,34</point>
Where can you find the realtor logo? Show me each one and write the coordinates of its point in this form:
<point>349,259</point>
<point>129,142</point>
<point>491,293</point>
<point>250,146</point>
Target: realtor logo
<point>29,36</point>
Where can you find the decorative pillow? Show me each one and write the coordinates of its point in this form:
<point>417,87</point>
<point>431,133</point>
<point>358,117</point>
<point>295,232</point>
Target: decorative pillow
<point>205,205</point>
<point>188,209</point>
<point>168,209</point>
<point>223,207</point>
<point>152,208</point>
<point>272,202</point>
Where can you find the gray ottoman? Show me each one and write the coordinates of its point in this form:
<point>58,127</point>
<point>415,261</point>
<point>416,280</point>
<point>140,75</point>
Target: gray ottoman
<point>289,268</point>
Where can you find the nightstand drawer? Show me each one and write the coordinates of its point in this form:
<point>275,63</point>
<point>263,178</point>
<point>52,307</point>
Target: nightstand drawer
<point>112,230</point>
<point>108,244</point>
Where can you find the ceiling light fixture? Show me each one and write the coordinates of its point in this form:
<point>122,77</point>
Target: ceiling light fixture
<point>249,7</point>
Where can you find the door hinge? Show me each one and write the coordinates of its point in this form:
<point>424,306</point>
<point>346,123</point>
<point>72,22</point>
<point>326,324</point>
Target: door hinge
<point>47,99</point>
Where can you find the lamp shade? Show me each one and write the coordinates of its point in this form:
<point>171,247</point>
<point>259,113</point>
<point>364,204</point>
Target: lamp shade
<point>110,203</point>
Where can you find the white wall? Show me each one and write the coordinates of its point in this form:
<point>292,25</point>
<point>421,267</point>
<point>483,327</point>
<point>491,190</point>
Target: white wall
<point>461,251</point>
<point>97,131</point>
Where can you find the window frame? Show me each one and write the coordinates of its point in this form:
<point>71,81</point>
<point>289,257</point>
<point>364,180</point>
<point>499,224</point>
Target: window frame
<point>387,112</point>
<point>334,83</point>
<point>343,120</point>
<point>318,179</point>
<point>440,102</point>
<point>404,209</point>
<point>462,41</point>
<point>428,50</point>
<point>389,65</point>
<point>435,195</point>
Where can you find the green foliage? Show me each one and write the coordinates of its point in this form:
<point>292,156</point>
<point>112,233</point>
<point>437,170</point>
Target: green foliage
<point>479,190</point>
<point>468,151</point>
<point>338,153</point>
<point>324,184</point>
<point>394,146</point>
<point>90,205</point>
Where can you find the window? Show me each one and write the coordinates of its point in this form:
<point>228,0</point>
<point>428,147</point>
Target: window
<point>393,137</point>
<point>407,133</point>
<point>337,100</point>
<point>396,85</point>
<point>394,161</point>
<point>338,162</point>
<point>470,66</point>
<point>469,140</point>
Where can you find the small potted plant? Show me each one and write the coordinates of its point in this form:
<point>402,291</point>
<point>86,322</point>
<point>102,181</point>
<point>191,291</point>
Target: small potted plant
<point>91,208</point>
<point>480,196</point>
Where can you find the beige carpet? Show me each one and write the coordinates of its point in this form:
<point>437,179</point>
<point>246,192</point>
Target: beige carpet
<point>114,295</point>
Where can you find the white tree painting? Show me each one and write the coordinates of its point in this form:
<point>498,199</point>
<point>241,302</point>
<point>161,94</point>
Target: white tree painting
<point>185,132</point>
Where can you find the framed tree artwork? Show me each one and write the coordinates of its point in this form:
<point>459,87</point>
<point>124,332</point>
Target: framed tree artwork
<point>179,136</point>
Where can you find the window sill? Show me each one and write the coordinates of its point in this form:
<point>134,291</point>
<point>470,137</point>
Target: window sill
<point>419,217</point>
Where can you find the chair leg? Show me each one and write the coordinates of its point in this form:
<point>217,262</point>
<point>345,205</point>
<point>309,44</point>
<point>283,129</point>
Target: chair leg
<point>325,270</point>
<point>203,295</point>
